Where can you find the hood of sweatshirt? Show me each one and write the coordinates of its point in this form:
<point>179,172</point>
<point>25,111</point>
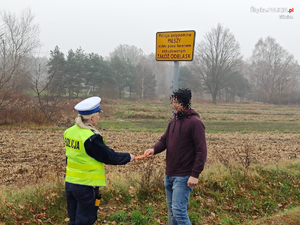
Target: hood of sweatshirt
<point>179,117</point>
<point>184,114</point>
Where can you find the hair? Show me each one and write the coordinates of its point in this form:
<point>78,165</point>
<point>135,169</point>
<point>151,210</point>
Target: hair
<point>183,96</point>
<point>81,121</point>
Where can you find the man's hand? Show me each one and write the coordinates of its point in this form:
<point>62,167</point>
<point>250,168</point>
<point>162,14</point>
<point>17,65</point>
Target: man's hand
<point>192,182</point>
<point>149,152</point>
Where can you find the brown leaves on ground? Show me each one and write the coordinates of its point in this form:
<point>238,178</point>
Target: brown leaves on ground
<point>30,156</point>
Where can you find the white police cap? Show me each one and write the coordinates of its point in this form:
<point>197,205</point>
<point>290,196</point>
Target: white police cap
<point>88,106</point>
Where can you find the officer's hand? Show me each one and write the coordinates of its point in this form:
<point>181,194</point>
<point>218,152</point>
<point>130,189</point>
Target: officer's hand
<point>132,158</point>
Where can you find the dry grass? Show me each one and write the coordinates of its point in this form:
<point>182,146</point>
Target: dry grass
<point>248,112</point>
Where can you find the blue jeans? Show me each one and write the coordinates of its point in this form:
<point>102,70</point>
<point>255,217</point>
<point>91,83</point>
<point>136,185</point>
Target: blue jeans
<point>178,194</point>
<point>81,203</point>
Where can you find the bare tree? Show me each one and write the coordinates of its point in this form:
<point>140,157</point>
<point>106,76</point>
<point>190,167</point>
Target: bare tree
<point>164,72</point>
<point>145,82</point>
<point>129,53</point>
<point>217,59</point>
<point>273,71</point>
<point>18,40</point>
<point>132,56</point>
<point>48,100</point>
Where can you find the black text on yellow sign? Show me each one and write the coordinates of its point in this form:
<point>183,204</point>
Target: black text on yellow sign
<point>175,46</point>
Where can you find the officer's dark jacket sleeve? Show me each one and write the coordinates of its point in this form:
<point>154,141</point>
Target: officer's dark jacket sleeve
<point>95,148</point>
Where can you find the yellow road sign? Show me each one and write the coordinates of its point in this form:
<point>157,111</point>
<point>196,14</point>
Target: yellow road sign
<point>175,46</point>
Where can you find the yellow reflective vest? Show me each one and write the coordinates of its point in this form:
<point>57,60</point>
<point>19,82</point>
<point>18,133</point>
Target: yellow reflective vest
<point>81,168</point>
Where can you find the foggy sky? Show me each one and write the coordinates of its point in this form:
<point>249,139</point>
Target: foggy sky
<point>99,26</point>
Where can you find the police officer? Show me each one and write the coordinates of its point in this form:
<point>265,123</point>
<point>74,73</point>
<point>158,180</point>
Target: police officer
<point>86,154</point>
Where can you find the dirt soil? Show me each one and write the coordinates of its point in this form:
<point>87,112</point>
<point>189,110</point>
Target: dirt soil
<point>30,156</point>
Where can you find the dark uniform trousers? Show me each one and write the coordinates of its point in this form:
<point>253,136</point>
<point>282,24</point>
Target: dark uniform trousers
<point>81,203</point>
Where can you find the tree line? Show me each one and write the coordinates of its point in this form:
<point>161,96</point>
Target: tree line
<point>79,73</point>
<point>218,71</point>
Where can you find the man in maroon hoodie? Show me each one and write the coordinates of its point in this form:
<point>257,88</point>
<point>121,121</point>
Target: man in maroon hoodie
<point>186,154</point>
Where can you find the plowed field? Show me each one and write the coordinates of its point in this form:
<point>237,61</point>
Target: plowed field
<point>29,156</point>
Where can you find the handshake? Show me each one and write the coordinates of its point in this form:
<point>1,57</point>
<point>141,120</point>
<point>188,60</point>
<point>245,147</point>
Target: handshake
<point>147,153</point>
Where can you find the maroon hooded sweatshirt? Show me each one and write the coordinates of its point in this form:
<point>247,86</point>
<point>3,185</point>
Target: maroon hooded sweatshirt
<point>185,142</point>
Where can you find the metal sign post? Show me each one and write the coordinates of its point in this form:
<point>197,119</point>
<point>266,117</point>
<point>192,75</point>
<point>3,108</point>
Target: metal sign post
<point>175,79</point>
